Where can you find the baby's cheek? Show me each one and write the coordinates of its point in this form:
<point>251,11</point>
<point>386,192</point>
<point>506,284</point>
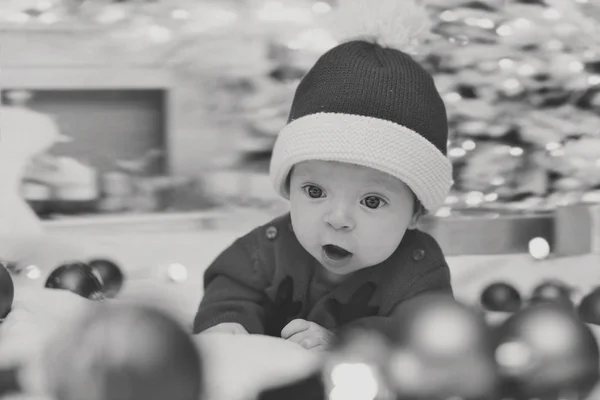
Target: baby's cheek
<point>378,245</point>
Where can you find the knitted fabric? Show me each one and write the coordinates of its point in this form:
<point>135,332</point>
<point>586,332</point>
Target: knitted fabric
<point>373,106</point>
<point>262,281</point>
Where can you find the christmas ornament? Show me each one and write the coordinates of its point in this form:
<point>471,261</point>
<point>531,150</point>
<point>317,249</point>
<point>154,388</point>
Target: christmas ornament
<point>501,296</point>
<point>76,277</point>
<point>109,274</point>
<point>7,292</point>
<point>589,307</point>
<point>130,352</point>
<point>545,351</point>
<point>355,367</point>
<point>554,291</point>
<point>443,349</point>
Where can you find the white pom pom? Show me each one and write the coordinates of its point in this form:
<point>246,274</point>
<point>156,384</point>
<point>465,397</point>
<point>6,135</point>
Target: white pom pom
<point>397,24</point>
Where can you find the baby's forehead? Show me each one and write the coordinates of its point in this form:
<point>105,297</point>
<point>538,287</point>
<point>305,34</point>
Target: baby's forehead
<point>326,170</point>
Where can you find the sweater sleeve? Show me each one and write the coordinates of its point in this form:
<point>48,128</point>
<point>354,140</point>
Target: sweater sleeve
<point>234,287</point>
<point>435,281</point>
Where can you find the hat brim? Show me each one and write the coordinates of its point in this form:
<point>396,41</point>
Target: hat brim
<point>367,141</point>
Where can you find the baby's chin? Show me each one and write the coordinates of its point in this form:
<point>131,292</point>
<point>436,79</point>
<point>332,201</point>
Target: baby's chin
<point>337,274</point>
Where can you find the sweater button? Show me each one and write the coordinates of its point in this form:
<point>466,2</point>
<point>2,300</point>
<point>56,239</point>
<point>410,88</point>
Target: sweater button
<point>271,233</point>
<point>418,254</point>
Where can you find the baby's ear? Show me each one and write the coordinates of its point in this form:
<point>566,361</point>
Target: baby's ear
<point>417,214</point>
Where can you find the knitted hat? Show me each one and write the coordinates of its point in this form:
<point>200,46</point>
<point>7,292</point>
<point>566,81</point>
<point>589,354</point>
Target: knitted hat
<point>367,102</point>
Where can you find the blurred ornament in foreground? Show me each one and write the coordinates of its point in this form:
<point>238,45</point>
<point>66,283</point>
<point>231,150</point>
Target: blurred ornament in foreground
<point>7,291</point>
<point>355,367</point>
<point>353,381</point>
<point>444,349</point>
<point>101,357</point>
<point>546,351</point>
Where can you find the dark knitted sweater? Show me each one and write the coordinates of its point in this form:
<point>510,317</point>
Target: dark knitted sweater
<point>264,280</point>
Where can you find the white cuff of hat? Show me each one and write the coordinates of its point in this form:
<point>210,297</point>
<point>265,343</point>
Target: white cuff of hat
<point>367,141</point>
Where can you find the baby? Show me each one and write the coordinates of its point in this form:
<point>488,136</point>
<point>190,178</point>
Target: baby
<point>362,157</point>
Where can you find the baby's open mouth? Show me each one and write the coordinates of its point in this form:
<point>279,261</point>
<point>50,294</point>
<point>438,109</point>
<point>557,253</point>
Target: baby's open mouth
<point>335,252</point>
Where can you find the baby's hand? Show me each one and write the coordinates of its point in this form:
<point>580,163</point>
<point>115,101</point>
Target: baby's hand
<point>307,334</point>
<point>228,327</point>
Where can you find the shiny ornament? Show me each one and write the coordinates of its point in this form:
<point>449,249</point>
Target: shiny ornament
<point>589,307</point>
<point>501,296</point>
<point>109,274</point>
<point>123,351</point>
<point>7,291</point>
<point>443,349</point>
<point>76,277</point>
<point>356,367</point>
<point>553,291</point>
<point>545,351</point>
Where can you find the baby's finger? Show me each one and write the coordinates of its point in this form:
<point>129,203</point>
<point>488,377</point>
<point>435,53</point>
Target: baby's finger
<point>294,327</point>
<point>300,338</point>
<point>314,341</point>
<point>319,348</point>
<point>309,340</point>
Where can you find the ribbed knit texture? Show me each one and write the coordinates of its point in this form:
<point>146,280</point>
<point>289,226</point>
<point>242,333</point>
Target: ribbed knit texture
<point>366,141</point>
<point>361,78</point>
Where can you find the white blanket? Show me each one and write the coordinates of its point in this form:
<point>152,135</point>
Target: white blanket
<point>237,367</point>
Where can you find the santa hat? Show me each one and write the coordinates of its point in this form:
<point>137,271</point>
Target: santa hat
<point>368,102</point>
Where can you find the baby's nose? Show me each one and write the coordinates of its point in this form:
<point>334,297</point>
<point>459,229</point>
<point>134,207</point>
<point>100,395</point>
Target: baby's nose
<point>340,219</point>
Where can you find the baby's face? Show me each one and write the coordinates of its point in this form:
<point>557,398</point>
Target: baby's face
<point>349,217</point>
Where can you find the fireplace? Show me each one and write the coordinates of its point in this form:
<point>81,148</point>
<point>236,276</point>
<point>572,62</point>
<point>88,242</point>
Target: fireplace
<point>117,105</point>
<point>106,125</point>
<point>71,71</point>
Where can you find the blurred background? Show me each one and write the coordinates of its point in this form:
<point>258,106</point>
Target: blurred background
<point>124,107</point>
<point>141,131</point>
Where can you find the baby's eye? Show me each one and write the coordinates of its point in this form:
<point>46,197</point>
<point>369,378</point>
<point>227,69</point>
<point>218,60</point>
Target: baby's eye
<point>313,191</point>
<point>373,202</point>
